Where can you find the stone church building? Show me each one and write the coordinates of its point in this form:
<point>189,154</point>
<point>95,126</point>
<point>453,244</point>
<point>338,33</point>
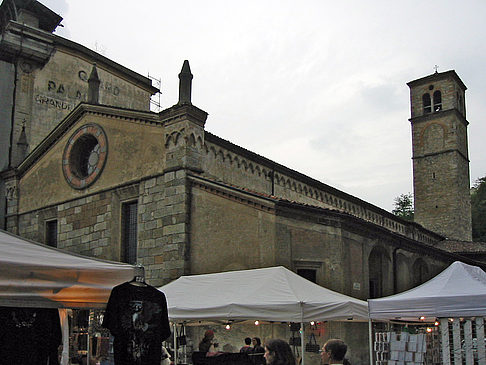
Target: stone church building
<point>87,167</point>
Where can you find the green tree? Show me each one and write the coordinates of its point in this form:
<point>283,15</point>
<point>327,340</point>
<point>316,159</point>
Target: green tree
<point>404,206</point>
<point>478,210</point>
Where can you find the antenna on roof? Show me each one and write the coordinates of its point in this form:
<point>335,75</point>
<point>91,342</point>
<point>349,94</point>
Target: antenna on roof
<point>155,99</point>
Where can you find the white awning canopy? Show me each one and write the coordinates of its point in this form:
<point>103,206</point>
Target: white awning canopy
<point>270,294</point>
<point>36,275</point>
<point>458,291</point>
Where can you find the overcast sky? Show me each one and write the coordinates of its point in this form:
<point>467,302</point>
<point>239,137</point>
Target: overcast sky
<point>318,86</point>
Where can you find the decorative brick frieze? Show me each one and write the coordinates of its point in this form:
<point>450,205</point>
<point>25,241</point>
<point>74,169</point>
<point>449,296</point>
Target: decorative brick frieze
<point>243,170</point>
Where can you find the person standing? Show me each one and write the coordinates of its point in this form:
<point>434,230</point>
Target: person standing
<point>257,346</point>
<point>333,352</point>
<point>207,343</point>
<point>257,353</point>
<point>278,352</point>
<point>247,348</point>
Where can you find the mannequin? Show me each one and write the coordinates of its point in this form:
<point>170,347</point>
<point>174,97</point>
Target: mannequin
<point>139,277</point>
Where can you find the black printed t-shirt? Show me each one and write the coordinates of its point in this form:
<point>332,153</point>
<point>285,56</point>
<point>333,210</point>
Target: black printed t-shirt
<point>137,318</point>
<point>29,336</point>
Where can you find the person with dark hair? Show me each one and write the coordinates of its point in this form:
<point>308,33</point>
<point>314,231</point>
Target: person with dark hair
<point>257,346</point>
<point>247,348</point>
<point>257,352</point>
<point>333,352</point>
<point>278,352</point>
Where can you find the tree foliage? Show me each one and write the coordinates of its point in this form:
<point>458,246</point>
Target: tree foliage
<point>403,206</point>
<point>478,210</point>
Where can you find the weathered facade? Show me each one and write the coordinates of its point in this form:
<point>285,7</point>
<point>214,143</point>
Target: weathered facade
<point>200,204</point>
<point>108,178</point>
<point>43,77</point>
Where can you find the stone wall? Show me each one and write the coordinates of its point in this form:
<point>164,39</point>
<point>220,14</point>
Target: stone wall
<point>233,231</point>
<point>445,176</point>
<point>89,225</point>
<point>441,175</point>
<point>230,231</point>
<point>164,227</point>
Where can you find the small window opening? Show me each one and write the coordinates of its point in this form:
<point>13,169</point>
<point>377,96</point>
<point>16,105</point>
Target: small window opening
<point>426,103</point>
<point>51,233</point>
<point>309,274</point>
<point>129,233</point>
<point>437,101</point>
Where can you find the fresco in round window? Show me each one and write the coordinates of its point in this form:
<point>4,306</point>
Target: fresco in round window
<point>84,156</point>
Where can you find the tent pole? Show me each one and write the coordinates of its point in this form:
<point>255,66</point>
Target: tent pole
<point>370,335</point>
<point>88,342</point>
<point>63,314</point>
<point>174,332</point>
<point>302,335</point>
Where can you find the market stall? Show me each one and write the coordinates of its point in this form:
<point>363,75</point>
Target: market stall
<point>33,275</point>
<point>272,294</point>
<point>268,294</point>
<point>457,298</point>
<point>36,275</point>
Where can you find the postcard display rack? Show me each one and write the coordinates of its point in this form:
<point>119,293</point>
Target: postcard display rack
<point>403,348</point>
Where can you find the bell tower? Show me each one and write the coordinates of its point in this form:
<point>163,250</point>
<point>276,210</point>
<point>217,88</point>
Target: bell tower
<point>440,155</point>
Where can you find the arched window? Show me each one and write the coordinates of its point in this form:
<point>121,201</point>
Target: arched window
<point>378,267</point>
<point>437,101</point>
<point>426,103</point>
<point>420,272</point>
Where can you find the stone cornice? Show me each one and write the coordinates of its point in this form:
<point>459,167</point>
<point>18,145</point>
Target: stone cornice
<point>20,40</point>
<point>8,174</point>
<point>436,115</point>
<point>452,150</point>
<point>436,77</point>
<point>234,193</point>
<point>176,113</point>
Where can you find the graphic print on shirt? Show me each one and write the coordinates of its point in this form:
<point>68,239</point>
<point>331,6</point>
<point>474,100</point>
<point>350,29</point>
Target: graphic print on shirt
<point>140,322</point>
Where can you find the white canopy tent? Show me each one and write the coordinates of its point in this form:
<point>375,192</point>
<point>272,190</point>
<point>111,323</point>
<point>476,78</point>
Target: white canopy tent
<point>458,291</point>
<point>271,294</point>
<point>268,294</point>
<point>35,275</point>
